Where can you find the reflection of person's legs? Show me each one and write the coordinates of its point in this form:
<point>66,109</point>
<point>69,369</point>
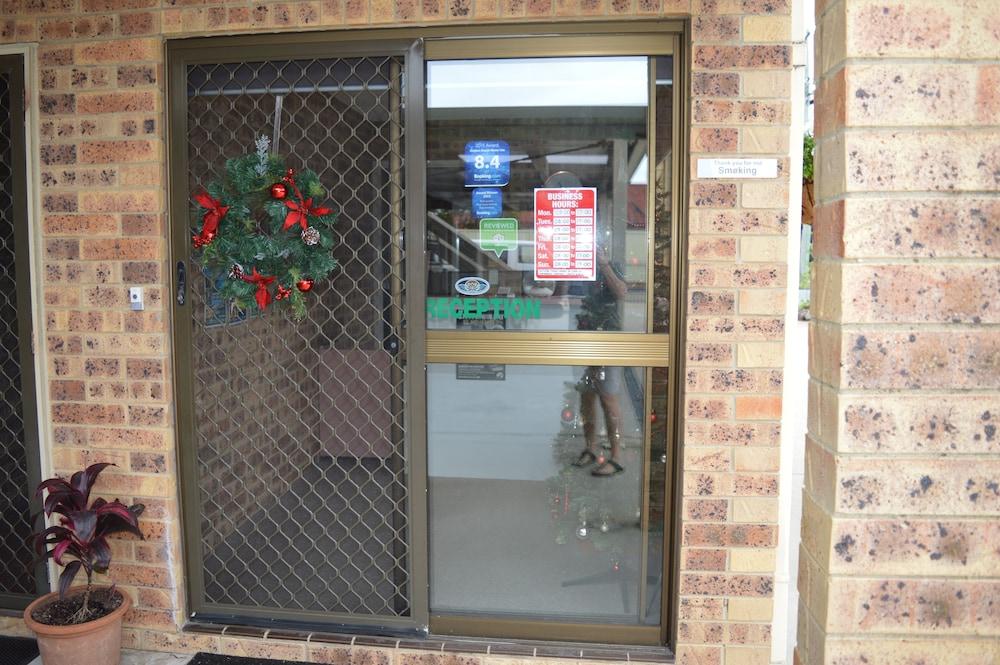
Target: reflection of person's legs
<point>608,388</point>
<point>588,413</point>
<point>612,420</point>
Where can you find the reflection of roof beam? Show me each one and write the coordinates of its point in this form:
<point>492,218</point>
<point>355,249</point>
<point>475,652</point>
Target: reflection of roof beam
<point>636,161</point>
<point>480,260</point>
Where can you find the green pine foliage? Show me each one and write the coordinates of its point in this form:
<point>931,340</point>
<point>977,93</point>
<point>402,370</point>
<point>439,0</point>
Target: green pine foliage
<point>251,235</point>
<point>808,152</point>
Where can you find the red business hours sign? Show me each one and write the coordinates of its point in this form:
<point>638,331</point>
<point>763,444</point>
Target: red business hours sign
<point>564,233</point>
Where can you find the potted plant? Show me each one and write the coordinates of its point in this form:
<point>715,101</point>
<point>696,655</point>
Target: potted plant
<point>80,625</point>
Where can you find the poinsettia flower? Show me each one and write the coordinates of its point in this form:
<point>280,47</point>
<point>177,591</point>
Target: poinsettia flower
<point>262,295</point>
<point>214,212</point>
<point>300,213</point>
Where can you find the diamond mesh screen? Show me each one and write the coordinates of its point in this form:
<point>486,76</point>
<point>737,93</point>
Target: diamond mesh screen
<point>16,573</point>
<point>301,468</point>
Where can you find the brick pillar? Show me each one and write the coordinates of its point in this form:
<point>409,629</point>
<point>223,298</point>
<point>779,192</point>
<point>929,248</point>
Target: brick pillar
<point>900,560</point>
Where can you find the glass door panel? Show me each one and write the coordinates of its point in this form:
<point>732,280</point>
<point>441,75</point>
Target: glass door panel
<point>536,194</point>
<point>536,493</point>
<point>549,272</point>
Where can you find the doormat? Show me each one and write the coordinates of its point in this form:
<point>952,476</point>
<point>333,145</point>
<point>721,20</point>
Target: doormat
<point>202,658</point>
<point>17,650</point>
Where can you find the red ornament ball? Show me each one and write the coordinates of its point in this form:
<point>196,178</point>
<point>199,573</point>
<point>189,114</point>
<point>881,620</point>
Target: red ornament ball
<point>278,191</point>
<point>652,417</point>
<point>567,415</point>
<point>304,285</point>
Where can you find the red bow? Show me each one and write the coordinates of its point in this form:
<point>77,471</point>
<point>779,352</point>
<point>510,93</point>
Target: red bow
<point>214,212</point>
<point>263,296</point>
<point>299,214</point>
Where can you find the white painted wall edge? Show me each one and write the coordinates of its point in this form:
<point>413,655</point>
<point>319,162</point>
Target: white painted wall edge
<point>794,401</point>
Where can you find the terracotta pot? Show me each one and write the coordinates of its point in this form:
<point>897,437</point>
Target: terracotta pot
<point>97,642</point>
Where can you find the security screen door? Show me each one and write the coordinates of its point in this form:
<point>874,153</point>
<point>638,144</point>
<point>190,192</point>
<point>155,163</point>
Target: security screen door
<point>296,467</point>
<point>20,581</point>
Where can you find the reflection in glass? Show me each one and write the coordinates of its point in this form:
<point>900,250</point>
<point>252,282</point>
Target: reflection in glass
<point>562,128</point>
<point>663,66</point>
<point>523,522</point>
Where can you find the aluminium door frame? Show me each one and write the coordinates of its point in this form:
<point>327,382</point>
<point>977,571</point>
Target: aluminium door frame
<point>646,349</point>
<point>411,40</point>
<point>179,55</point>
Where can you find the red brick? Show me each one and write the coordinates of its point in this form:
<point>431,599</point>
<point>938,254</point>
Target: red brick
<point>88,414</point>
<point>79,224</point>
<point>105,152</point>
<point>61,391</point>
<point>747,586</point>
<point>715,29</point>
<point>139,23</point>
<point>716,85</point>
<point>703,559</point>
<point>897,29</point>
<point>57,104</point>
<point>729,535</point>
<point>758,408</point>
<point>133,201</point>
<point>120,50</point>
<point>130,76</point>
<point>121,249</point>
<point>766,6</point>
<point>742,57</point>
<point>116,102</point>
<point>713,195</point>
<point>957,360</point>
<point>715,139</point>
<point>709,354</point>
<point>116,5</point>
<point>706,510</point>
<point>702,302</point>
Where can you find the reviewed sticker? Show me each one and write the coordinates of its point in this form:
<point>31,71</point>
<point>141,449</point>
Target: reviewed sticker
<point>498,235</point>
<point>487,163</point>
<point>565,234</point>
<point>487,202</point>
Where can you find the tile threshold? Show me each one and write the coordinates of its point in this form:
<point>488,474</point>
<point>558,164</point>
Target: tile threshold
<point>447,644</point>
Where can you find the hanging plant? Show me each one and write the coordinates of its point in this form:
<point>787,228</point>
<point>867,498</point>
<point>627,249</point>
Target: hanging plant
<point>263,225</point>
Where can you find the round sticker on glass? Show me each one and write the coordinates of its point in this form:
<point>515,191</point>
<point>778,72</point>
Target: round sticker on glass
<point>472,286</point>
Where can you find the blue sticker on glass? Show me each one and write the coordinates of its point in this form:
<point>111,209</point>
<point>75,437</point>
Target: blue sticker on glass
<point>487,163</point>
<point>487,202</point>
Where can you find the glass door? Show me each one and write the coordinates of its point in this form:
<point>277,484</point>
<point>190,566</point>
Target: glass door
<point>550,276</point>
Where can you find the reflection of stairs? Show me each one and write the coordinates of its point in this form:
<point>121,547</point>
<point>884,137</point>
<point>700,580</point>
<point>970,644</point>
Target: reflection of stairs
<point>327,545</point>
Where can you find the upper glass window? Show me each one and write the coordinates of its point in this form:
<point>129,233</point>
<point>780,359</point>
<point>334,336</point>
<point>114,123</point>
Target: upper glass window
<point>537,178</point>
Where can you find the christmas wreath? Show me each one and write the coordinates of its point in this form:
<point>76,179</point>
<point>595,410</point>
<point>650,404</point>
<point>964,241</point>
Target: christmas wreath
<point>261,226</point>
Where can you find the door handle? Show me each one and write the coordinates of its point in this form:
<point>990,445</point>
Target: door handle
<point>181,283</point>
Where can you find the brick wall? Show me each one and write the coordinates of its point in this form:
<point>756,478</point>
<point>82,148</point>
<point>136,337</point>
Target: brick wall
<point>899,554</point>
<point>103,226</point>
